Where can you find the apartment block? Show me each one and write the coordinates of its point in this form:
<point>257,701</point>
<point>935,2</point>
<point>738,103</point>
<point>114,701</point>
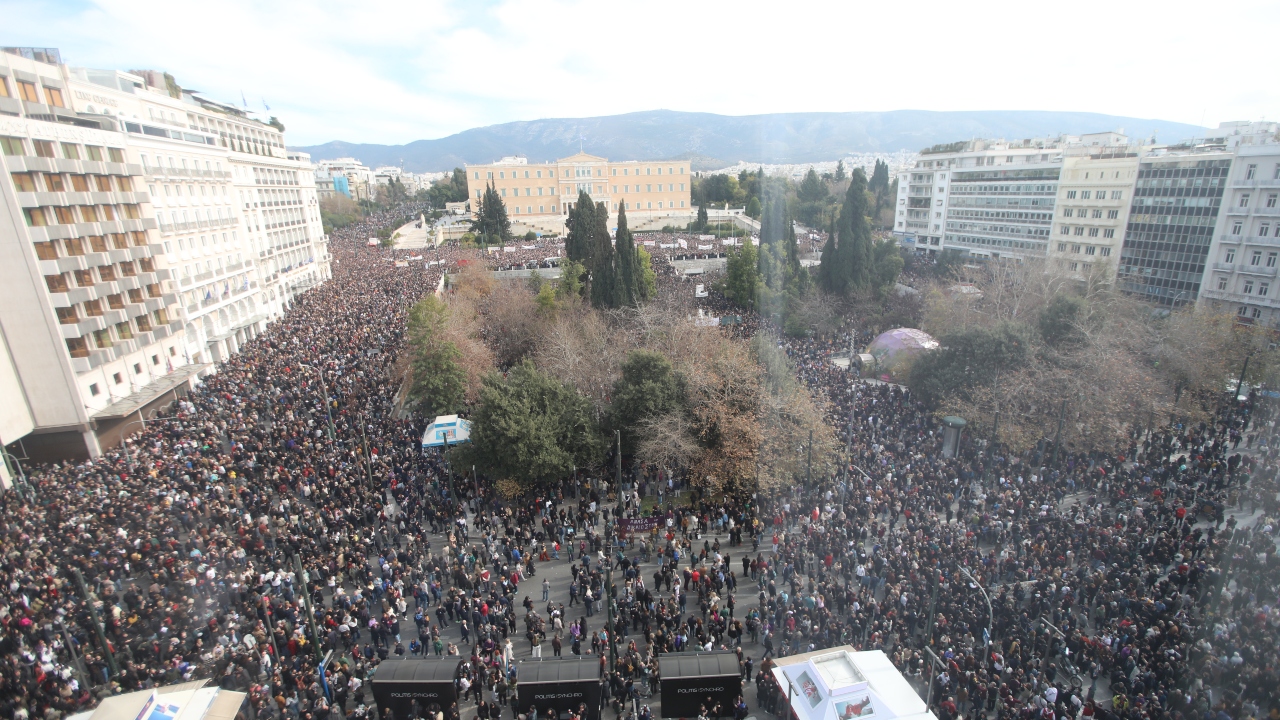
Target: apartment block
<point>1241,273</point>
<point>1095,189</point>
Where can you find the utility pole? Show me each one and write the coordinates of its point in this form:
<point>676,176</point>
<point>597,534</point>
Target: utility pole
<point>97,623</point>
<point>618,436</point>
<point>368,457</point>
<point>323,389</point>
<point>1243,370</point>
<point>444,434</point>
<point>1057,438</point>
<point>306,602</point>
<point>608,602</point>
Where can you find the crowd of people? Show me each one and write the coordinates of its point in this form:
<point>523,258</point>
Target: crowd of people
<point>286,509</point>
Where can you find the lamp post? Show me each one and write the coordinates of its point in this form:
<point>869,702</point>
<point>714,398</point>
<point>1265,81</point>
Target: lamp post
<point>97,622</point>
<point>990,615</point>
<point>325,390</point>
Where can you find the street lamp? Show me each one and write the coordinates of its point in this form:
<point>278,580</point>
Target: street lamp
<point>990,615</point>
<point>324,389</point>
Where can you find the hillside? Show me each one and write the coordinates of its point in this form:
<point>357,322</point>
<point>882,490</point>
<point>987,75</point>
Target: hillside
<point>713,141</point>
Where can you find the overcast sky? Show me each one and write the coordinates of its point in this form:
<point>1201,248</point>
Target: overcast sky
<point>391,71</point>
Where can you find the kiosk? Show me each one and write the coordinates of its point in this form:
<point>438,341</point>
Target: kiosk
<point>427,681</point>
<point>560,684</point>
<point>691,680</point>
<point>842,684</point>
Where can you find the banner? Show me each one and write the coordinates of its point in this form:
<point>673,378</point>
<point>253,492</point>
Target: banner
<point>627,526</point>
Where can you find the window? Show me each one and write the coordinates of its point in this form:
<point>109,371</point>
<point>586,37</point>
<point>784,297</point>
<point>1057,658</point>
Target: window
<point>1263,288</point>
<point>47,250</point>
<point>1271,259</point>
<point>1256,258</point>
<point>1067,212</point>
<point>12,146</point>
<point>54,96</point>
<point>1264,230</point>
<point>1244,200</point>
<point>27,91</point>
<point>116,155</point>
<point>1091,250</point>
<point>116,376</point>
<point>1093,232</point>
<point>94,152</point>
<point>1113,214</point>
<point>1248,287</point>
<point>1079,231</point>
<point>1062,247</point>
<point>1230,257</point>
<point>1243,311</point>
<point>4,87</point>
<point>93,387</point>
<point>1097,214</point>
<point>1222,284</point>
<point>1109,233</point>
<point>71,151</point>
<point>1106,251</point>
<point>44,148</point>
<point>1237,227</point>
<point>1255,313</point>
<point>1250,172</point>
<point>1084,194</point>
<point>1271,200</point>
<point>1075,266</point>
<point>24,182</point>
<point>1117,194</point>
<point>1071,194</point>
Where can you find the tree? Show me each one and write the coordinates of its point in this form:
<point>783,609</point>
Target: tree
<point>531,429</point>
<point>701,222</point>
<point>630,275</point>
<point>492,224</point>
<point>879,178</point>
<point>812,198</point>
<point>570,283</point>
<point>840,172</point>
<point>742,276</point>
<point>753,208</point>
<point>649,279</point>
<point>275,123</point>
<point>969,358</point>
<point>851,256</point>
<point>581,224</point>
<point>648,387</point>
<point>437,384</point>
<point>604,287</point>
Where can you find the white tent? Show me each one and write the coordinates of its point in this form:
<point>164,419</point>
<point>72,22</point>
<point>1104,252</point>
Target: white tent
<point>457,431</point>
<point>841,684</point>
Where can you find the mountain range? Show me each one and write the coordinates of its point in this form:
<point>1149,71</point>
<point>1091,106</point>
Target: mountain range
<point>712,141</point>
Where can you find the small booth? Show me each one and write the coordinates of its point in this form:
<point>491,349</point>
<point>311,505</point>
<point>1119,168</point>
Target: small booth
<point>560,684</point>
<point>691,680</point>
<point>446,430</point>
<point>427,682</point>
<point>841,684</point>
<point>952,427</point>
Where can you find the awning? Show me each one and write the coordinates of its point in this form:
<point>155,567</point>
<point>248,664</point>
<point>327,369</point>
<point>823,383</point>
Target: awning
<point>145,395</point>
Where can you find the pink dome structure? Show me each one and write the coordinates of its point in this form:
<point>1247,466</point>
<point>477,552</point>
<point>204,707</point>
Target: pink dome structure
<point>894,349</point>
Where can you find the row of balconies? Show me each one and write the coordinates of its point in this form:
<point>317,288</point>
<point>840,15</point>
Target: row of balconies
<point>110,317</point>
<point>1256,182</point>
<point>32,163</point>
<point>41,233</point>
<point>119,349</point>
<point>1245,268</point>
<point>1268,211</point>
<point>102,290</point>
<point>170,172</point>
<point>170,228</point>
<point>94,259</point>
<point>93,197</point>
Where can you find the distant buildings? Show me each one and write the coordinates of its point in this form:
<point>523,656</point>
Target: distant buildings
<point>151,231</point>
<point>1177,224</point>
<point>644,189</point>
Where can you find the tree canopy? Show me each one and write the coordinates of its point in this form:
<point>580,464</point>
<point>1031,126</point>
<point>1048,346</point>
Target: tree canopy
<point>491,224</point>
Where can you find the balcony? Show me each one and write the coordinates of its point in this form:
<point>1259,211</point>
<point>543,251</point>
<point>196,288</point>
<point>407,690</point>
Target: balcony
<point>1257,270</point>
<point>1224,267</point>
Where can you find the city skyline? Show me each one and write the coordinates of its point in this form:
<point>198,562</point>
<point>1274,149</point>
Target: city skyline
<point>466,65</point>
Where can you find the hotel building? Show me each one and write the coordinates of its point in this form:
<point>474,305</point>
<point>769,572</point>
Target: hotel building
<point>232,229</point>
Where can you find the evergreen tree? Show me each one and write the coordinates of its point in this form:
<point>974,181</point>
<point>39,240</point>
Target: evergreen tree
<point>604,289</point>
<point>581,224</point>
<point>701,222</point>
<point>853,251</point>
<point>630,279</point>
<point>830,276</point>
<point>879,178</point>
<point>840,172</point>
<point>492,224</point>
<point>742,276</point>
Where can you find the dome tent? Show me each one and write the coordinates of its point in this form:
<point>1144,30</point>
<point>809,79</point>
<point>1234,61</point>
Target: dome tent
<point>895,349</point>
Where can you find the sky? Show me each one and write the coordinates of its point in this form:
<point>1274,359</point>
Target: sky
<point>393,71</point>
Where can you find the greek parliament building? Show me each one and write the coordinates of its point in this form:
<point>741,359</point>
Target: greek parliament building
<point>146,233</point>
<point>539,196</point>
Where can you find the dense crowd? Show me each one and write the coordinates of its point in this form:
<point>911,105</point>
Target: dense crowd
<point>287,509</point>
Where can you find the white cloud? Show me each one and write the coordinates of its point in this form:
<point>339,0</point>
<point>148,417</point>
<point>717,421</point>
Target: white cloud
<point>392,71</point>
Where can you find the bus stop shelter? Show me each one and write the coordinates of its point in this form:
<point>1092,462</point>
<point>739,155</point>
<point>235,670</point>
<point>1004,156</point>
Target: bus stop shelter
<point>559,684</point>
<point>692,680</point>
<point>427,682</point>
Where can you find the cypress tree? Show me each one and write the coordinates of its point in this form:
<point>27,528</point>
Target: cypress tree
<point>854,249</point>
<point>630,273</point>
<point>492,224</point>
<point>581,224</point>
<point>604,270</point>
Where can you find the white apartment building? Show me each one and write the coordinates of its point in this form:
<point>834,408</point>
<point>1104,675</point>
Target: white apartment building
<point>988,198</point>
<point>1095,189</point>
<point>1241,273</point>
<point>234,219</point>
<point>360,179</point>
<point>90,319</point>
